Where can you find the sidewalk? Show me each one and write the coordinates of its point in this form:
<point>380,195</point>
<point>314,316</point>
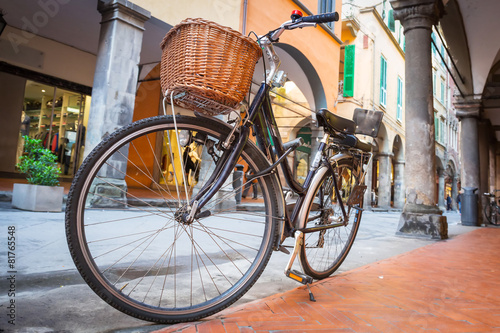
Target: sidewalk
<point>448,286</point>
<point>386,279</point>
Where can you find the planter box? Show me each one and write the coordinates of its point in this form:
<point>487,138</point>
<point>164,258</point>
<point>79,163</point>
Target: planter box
<point>38,198</point>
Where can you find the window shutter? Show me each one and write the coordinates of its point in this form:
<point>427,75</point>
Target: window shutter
<point>383,81</point>
<point>399,112</point>
<point>390,21</point>
<point>349,71</point>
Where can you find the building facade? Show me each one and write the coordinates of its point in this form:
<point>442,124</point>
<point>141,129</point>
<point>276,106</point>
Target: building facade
<point>76,71</point>
<point>372,77</point>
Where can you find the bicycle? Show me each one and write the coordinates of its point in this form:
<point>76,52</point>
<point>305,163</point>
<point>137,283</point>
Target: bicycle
<point>164,249</point>
<point>492,210</point>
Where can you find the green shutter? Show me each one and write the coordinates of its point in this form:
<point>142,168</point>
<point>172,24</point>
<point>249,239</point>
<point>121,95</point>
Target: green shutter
<point>349,71</point>
<point>383,81</point>
<point>390,21</point>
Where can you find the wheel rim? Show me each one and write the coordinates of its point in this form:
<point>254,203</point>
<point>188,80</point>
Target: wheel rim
<point>324,251</point>
<point>147,260</point>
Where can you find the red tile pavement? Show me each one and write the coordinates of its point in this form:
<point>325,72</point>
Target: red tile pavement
<point>448,286</point>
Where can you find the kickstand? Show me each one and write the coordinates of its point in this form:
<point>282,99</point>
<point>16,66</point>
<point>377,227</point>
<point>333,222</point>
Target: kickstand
<point>311,296</point>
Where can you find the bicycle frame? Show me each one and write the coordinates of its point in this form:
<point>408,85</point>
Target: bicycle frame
<point>261,118</point>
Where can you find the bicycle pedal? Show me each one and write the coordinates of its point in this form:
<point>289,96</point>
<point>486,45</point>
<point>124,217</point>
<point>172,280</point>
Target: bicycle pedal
<point>299,277</point>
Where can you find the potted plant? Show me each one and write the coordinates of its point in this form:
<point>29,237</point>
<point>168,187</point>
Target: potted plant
<point>42,172</point>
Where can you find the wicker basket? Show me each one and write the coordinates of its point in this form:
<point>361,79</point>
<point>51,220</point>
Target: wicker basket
<point>208,67</point>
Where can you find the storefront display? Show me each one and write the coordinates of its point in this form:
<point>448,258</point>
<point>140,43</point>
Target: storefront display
<point>55,116</point>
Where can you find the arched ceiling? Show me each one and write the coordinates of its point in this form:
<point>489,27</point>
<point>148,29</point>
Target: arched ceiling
<point>470,28</point>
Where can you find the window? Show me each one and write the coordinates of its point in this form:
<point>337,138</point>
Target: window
<point>434,51</point>
<point>437,128</point>
<point>443,130</point>
<point>327,6</point>
<point>399,111</point>
<point>349,71</point>
<point>434,82</point>
<point>383,81</point>
<point>440,129</point>
<point>442,92</point>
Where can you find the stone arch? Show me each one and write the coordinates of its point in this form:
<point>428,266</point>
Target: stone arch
<point>452,182</point>
<point>302,72</point>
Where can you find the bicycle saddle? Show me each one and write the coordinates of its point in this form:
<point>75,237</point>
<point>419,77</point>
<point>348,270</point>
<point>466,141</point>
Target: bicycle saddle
<point>333,123</point>
<point>329,120</point>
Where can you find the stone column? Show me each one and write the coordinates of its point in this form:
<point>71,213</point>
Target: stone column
<point>421,217</point>
<point>114,88</point>
<point>454,193</point>
<point>484,166</point>
<point>115,78</point>
<point>399,186</point>
<point>467,112</point>
<point>441,202</point>
<point>492,171</point>
<point>384,180</point>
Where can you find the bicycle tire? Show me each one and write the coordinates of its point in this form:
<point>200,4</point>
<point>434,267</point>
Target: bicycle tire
<point>126,243</point>
<point>323,252</point>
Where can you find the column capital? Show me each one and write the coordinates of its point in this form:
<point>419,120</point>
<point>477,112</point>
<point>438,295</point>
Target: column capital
<point>468,107</point>
<point>124,11</point>
<point>417,14</point>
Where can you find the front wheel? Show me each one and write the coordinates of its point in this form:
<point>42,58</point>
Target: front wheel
<point>324,251</point>
<point>126,236</point>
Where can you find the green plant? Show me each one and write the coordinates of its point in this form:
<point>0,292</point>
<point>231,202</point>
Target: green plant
<point>38,163</point>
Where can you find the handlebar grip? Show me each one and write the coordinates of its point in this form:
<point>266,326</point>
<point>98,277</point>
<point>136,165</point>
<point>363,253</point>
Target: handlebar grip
<point>322,18</point>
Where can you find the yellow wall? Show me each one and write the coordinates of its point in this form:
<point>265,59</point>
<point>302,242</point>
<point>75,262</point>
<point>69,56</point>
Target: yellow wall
<point>316,44</point>
<point>226,12</point>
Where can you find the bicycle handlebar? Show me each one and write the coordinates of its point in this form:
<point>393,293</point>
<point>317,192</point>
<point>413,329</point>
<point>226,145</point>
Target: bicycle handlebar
<point>321,18</point>
<point>298,21</point>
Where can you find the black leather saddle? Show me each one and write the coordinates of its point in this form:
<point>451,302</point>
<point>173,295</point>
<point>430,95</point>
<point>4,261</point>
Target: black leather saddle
<point>334,124</point>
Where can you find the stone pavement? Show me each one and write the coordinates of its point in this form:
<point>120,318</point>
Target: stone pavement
<point>448,286</point>
<point>373,285</point>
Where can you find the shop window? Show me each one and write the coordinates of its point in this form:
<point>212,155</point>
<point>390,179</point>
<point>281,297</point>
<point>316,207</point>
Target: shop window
<point>57,117</point>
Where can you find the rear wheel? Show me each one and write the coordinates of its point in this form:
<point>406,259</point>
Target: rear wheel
<point>489,213</point>
<point>124,230</point>
<point>324,251</point>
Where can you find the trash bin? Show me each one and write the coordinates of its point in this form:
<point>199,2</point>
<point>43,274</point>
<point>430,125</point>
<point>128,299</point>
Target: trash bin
<point>469,206</point>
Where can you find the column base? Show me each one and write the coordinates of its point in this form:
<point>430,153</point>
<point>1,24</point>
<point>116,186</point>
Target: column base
<point>422,223</point>
<point>109,193</point>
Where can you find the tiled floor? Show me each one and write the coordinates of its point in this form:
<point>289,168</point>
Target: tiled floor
<point>448,286</point>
